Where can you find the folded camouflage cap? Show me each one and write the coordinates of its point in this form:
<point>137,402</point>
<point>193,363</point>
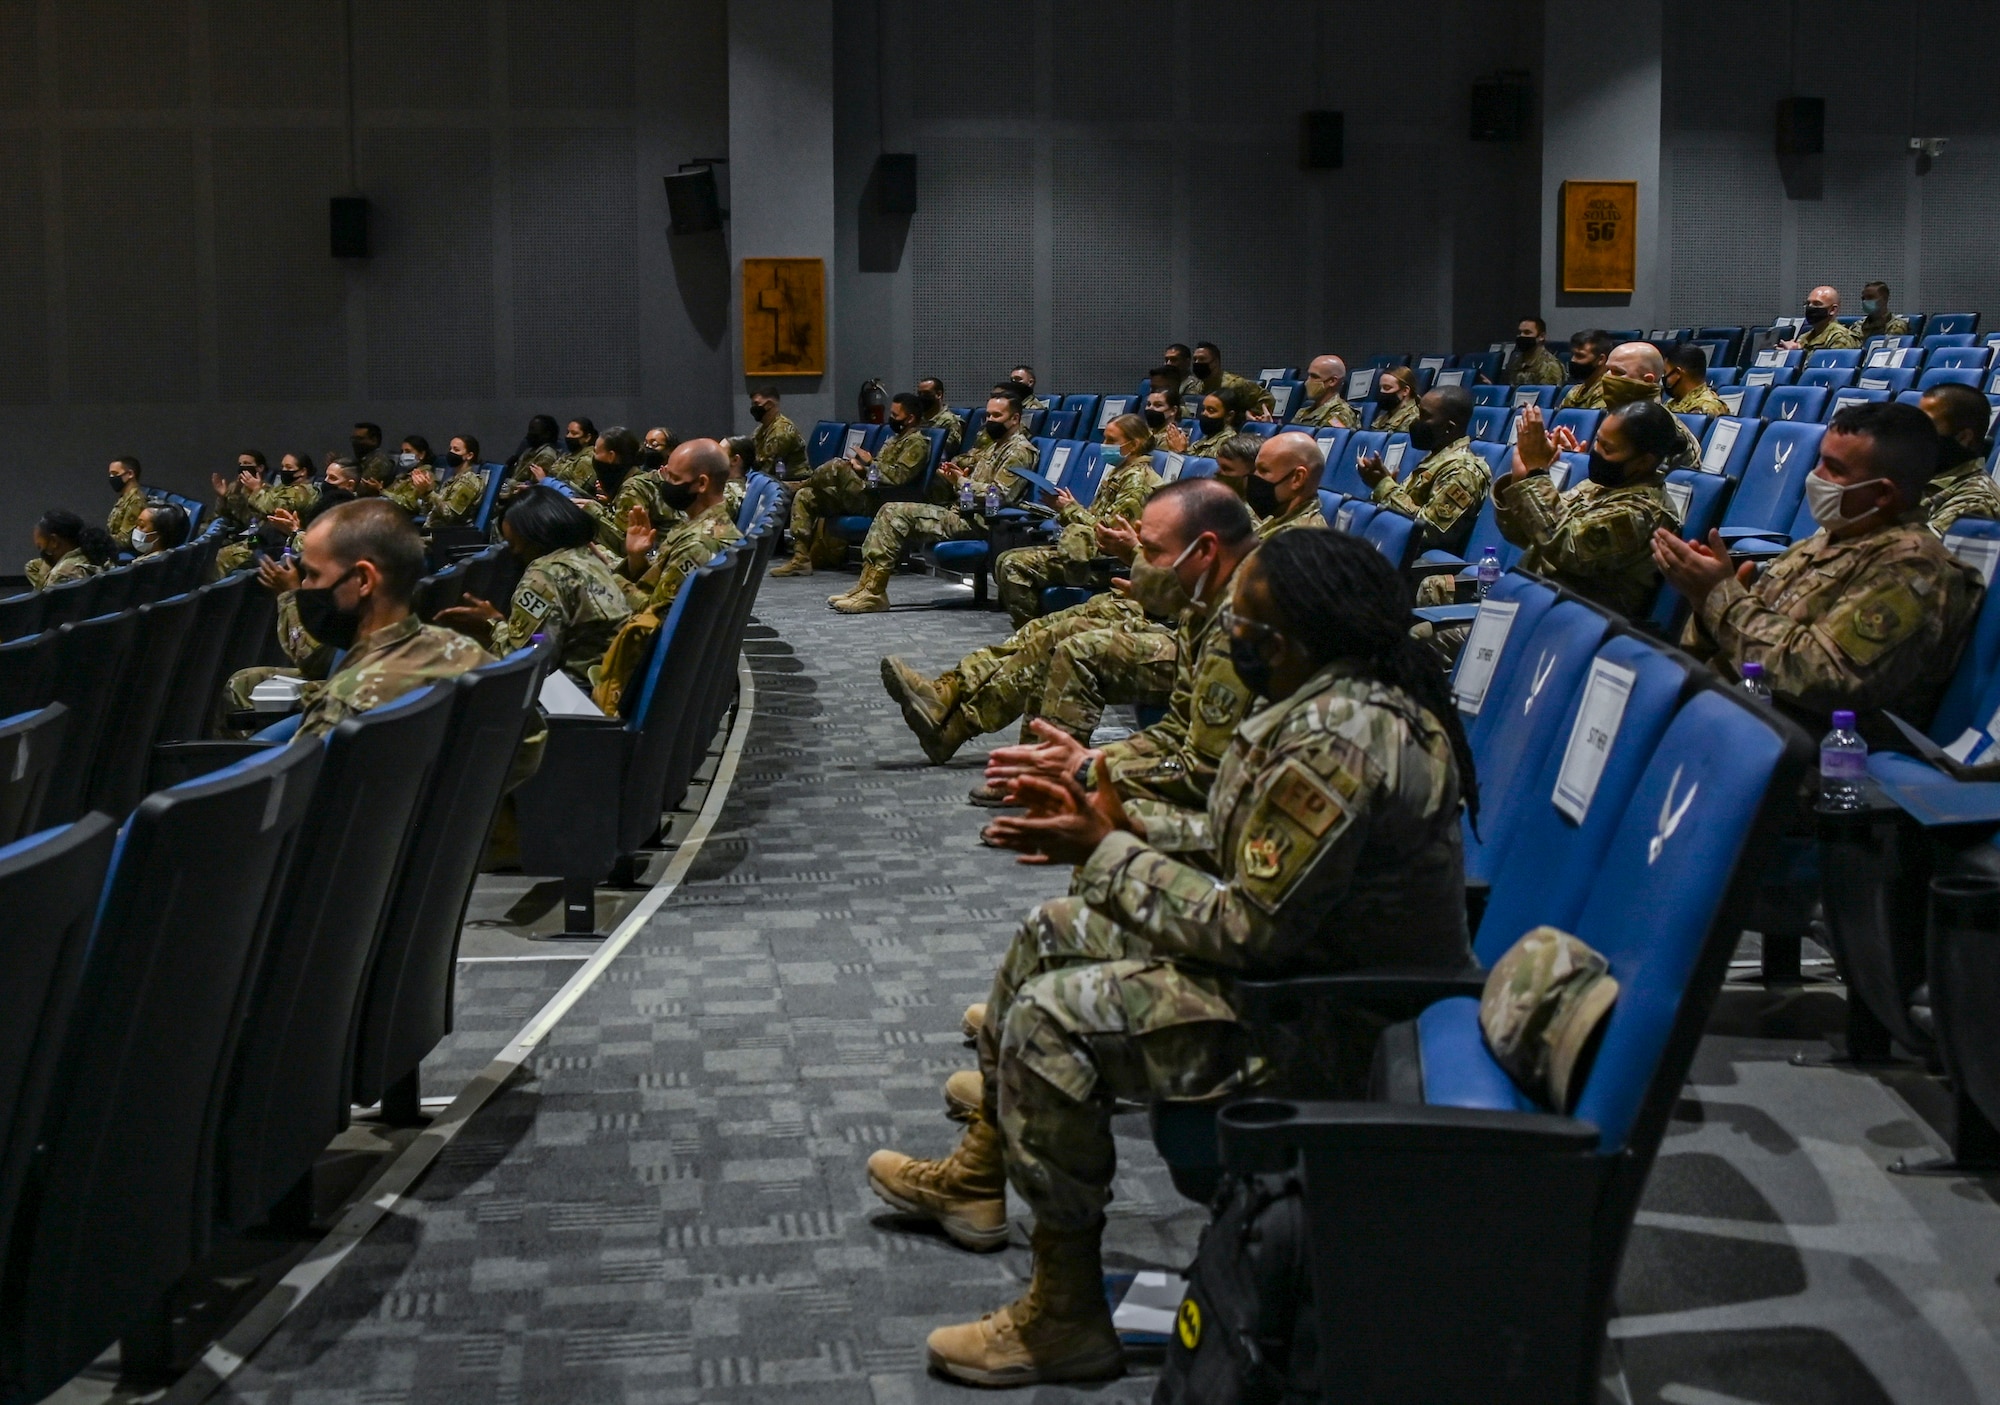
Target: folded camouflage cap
<point>1543,1001</point>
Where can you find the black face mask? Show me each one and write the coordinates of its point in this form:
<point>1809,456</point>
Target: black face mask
<point>117,485</point>
<point>1580,370</point>
<point>1605,473</point>
<point>678,496</point>
<point>757,412</point>
<point>995,429</point>
<point>1952,453</point>
<point>1203,370</point>
<point>929,404</point>
<point>362,449</point>
<point>651,458</point>
<point>1526,345</point>
<point>572,442</point>
<point>1817,315</point>
<point>897,426</point>
<point>323,619</point>
<point>1423,436</point>
<point>455,460</point>
<point>1249,663</point>
<point>1211,425</point>
<point>1022,388</point>
<point>1156,418</point>
<point>1262,495</point>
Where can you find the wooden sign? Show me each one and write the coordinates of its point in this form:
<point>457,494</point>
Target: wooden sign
<point>784,317</point>
<point>1600,237</point>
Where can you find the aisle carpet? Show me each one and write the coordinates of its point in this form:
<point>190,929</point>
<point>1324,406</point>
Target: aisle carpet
<point>672,1207</point>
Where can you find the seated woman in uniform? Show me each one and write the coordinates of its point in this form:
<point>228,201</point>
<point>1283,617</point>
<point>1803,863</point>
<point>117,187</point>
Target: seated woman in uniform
<point>162,527</point>
<point>66,550</point>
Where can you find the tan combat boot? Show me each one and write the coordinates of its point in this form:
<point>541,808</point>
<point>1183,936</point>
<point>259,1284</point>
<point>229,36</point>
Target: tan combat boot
<point>911,691</point>
<point>1059,1330</point>
<point>964,1095</point>
<point>869,597</point>
<point>972,1021</point>
<point>966,1193</point>
<point>801,563</point>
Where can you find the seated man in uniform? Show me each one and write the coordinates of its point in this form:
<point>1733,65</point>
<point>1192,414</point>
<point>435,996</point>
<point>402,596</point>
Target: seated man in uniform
<point>1867,614</point>
<point>1330,842</point>
<point>1446,491</point>
<point>781,450</point>
<point>1531,362</point>
<point>1589,353</point>
<point>1686,384</point>
<point>129,497</point>
<point>1876,318</point>
<point>1960,487</point>
<point>933,413</point>
<point>901,524</point>
<point>1324,407</point>
<point>1822,330</point>
<point>1206,377</point>
<point>1122,489</point>
<point>853,487</point>
<point>1636,371</point>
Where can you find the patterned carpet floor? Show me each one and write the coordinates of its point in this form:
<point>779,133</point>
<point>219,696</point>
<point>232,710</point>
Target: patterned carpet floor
<point>672,1208</point>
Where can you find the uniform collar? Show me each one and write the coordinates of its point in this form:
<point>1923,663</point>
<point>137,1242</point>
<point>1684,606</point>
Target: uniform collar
<point>386,637</point>
<point>1258,728</point>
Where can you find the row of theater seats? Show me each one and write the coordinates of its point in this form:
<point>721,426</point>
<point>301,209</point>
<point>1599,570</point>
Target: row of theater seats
<point>1630,797</point>
<point>192,1000</point>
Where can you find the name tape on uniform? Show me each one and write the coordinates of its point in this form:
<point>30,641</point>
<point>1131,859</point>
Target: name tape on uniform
<point>1483,647</point>
<point>1590,740</point>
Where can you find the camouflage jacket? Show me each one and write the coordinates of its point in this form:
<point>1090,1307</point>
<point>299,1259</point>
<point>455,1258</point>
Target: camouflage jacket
<point>375,467</point>
<point>1121,493</point>
<point>1702,400</point>
<point>780,451</point>
<point>1540,369</point>
<point>1868,622</point>
<point>1444,491</point>
<point>1303,513</point>
<point>573,599</point>
<point>902,460</point>
<point>71,566</point>
<point>455,502</point>
<point>124,514</point>
<point>990,462</point>
<point>1170,765</point>
<point>245,508</point>
<point>1400,418</point>
<point>1204,448</point>
<point>1585,396</point>
<point>394,660</point>
<point>544,458</point>
<point>1889,326</point>
<point>579,469</point>
<point>1329,841</point>
<point>1597,541</point>
<point>1828,336</point>
<point>641,488</point>
<point>953,427</point>
<point>312,658</point>
<point>403,492</point>
<point>1331,411</point>
<point>1964,491</point>
<point>1254,396</point>
<point>685,549</point>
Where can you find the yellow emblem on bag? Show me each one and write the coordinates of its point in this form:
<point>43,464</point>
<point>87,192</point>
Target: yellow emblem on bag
<point>1187,1322</point>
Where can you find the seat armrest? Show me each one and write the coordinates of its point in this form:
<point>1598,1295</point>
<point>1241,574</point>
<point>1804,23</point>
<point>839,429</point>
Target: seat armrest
<point>1401,993</point>
<point>1261,1134</point>
<point>1731,534</point>
<point>174,762</point>
<point>1442,561</point>
<point>1944,802</point>
<point>1448,614</point>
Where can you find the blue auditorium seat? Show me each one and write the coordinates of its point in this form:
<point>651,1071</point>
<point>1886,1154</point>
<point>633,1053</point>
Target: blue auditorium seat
<point>1697,425</point>
<point>1351,516</point>
<point>1060,424</point>
<point>1949,375</point>
<point>1795,402</point>
<point>1974,357</point>
<point>1773,486</point>
<point>1545,396</point>
<point>1202,467</point>
<point>1951,323</point>
<point>1746,400</point>
<point>1263,429</point>
<point>1828,377</point>
<point>1491,394</point>
<point>1032,422</point>
<point>1891,379</point>
<point>1724,375</point>
<point>1391,533</point>
<point>1112,407</point>
<point>1332,443</point>
<point>824,442</point>
<point>1699,498</point>
<point>1581,423</point>
<point>1341,475</point>
<point>1285,398</point>
<point>1084,407</point>
<point>1489,422</point>
<point>1768,376</point>
<point>1842,359</point>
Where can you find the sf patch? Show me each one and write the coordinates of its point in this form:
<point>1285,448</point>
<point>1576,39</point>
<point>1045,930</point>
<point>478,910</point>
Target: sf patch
<point>534,605</point>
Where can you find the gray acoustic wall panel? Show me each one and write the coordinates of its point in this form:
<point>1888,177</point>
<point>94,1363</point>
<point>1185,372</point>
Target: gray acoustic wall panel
<point>423,53</point>
<point>1728,222</point>
<point>569,54</point>
<point>24,309</point>
<point>430,282</point>
<point>112,54</point>
<point>1249,258</point>
<point>1961,267</point>
<point>129,254</point>
<point>973,260</point>
<point>18,54</point>
<point>1725,66</point>
<point>263,55</point>
<point>1095,56</point>
<point>1112,267</point>
<point>1382,263</point>
<point>280,300</point>
<point>981,62</point>
<point>575,307</point>
<point>1855,232</point>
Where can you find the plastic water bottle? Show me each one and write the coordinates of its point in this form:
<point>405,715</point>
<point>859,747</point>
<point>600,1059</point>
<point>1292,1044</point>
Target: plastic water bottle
<point>1489,571</point>
<point>1754,684</point>
<point>1843,762</point>
<point>965,495</point>
<point>992,498</point>
<point>874,474</point>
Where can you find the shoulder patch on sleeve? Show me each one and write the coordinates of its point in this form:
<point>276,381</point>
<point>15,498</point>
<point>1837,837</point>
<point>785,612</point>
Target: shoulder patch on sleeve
<point>1307,800</point>
<point>1877,622</point>
<point>532,603</point>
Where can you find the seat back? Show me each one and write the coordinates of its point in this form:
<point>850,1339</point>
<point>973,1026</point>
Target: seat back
<point>1285,398</point>
<point>30,745</point>
<point>178,934</point>
<point>1719,376</point>
<point>149,578</point>
<point>406,1002</point>
<point>1774,480</point>
<point>496,477</point>
<point>69,602</point>
<point>119,776</point>
<point>1828,377</point>
<point>669,699</point>
<point>1109,409</point>
<point>1697,425</point>
<point>90,665</point>
<point>1201,466</point>
<point>1698,497</point>
<point>1942,332</point>
<point>253,634</point>
<point>1968,357</point>
<point>1795,402</point>
<point>1350,515</point>
<point>1948,375</point>
<point>1060,424</point>
<point>1952,323</point>
<point>1510,614</point>
<point>1391,533</point>
<point>1581,423</point>
<point>1892,380</point>
<point>1332,443</point>
<point>1844,358</point>
<point>824,441</point>
<point>110,592</point>
<point>1744,400</point>
<point>1493,394</point>
<point>49,888</point>
<point>1489,423</point>
<point>1965,700</point>
<point>22,615</point>
<point>1841,399</point>
<point>1084,407</point>
<point>1557,834</point>
<point>196,686</point>
<point>288,1092</point>
<point>1263,429</point>
<point>1342,476</point>
<point>1769,377</point>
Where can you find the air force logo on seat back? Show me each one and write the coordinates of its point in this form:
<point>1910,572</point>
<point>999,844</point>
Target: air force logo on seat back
<point>1671,815</point>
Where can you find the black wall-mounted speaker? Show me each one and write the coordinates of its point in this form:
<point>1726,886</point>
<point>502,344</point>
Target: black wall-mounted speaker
<point>896,183</point>
<point>347,226</point>
<point>1502,109</point>
<point>693,205</point>
<point>1801,126</point>
<point>1322,140</point>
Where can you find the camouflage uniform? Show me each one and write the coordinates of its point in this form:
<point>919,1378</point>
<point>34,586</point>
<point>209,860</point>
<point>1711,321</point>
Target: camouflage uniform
<point>1702,400</point>
<point>685,549</point>
<point>1021,573</point>
<point>1205,447</point>
<point>837,488</point>
<point>1889,327</point>
<point>1542,368</point>
<point>310,658</point>
<point>455,502</point>
<point>641,488</point>
<point>1173,761</point>
<point>1828,336</point>
<point>403,492</point>
<point>1124,988</point>
<point>71,566</point>
<point>1868,623</point>
<point>1331,411</point>
<point>1963,491</point>
<point>1303,513</point>
<point>394,660</point>
<point>124,514</point>
<point>574,599</point>
<point>1254,396</point>
<point>375,466</point>
<point>953,427</point>
<point>1624,392</point>
<point>1010,679</point>
<point>898,523</point>
<point>544,458</point>
<point>1597,541</point>
<point>732,495</point>
<point>1444,495</point>
<point>1400,418</point>
<point>1585,395</point>
<point>246,509</point>
<point>780,450</point>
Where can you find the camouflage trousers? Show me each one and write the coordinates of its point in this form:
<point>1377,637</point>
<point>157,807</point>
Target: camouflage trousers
<point>1082,1013</point>
<point>899,525</point>
<point>1021,575</point>
<point>834,490</point>
<point>1068,667</point>
<point>1440,589</point>
<point>235,557</point>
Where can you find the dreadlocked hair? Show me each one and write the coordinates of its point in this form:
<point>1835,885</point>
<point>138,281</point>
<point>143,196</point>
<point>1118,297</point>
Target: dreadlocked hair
<point>1341,600</point>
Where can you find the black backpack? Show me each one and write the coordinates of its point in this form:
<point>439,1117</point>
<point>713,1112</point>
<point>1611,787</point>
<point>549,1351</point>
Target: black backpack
<point>1244,1334</point>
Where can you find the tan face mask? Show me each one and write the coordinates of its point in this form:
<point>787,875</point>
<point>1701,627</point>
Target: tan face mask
<point>1623,390</point>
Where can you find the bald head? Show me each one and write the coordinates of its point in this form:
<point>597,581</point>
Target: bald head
<point>702,464</point>
<point>1638,360</point>
<point>1290,451</point>
<point>1826,296</point>
<point>1328,368</point>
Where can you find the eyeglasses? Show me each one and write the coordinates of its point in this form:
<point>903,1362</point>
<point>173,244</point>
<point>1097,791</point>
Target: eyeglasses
<point>1232,622</point>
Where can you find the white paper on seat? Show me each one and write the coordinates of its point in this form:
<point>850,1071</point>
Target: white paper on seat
<point>1604,697</point>
<point>855,435</point>
<point>1980,553</point>
<point>1878,359</point>
<point>1392,455</point>
<point>1281,399</point>
<point>1721,442</point>
<point>1171,472</point>
<point>1681,496</point>
<point>1360,385</point>
<point>1151,1304</point>
<point>1058,456</point>
<point>1483,647</point>
<point>1431,363</point>
<point>1732,398</point>
<point>1872,383</point>
<point>1968,744</point>
<point>1769,358</point>
<point>1108,413</point>
<point>1993,415</point>
<point>1270,373</point>
<point>1841,402</point>
<point>1526,397</point>
<point>1455,376</point>
<point>562,698</point>
<point>1559,474</point>
<point>1759,377</point>
<point>1514,427</point>
<point>1343,518</point>
<point>1498,346</point>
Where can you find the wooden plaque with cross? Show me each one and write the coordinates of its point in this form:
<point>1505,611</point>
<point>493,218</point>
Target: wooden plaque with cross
<point>784,317</point>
